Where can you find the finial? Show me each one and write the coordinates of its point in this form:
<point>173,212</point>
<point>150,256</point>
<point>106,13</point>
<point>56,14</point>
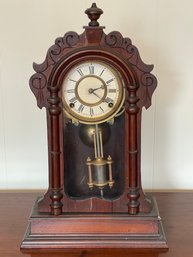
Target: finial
<point>94,14</point>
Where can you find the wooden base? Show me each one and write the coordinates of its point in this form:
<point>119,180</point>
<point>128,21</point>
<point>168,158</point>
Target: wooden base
<point>99,253</point>
<point>95,235</point>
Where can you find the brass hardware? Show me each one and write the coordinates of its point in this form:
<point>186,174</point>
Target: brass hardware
<point>82,108</point>
<point>109,162</point>
<point>86,133</point>
<point>90,183</point>
<point>122,110</point>
<point>99,169</point>
<point>79,85</point>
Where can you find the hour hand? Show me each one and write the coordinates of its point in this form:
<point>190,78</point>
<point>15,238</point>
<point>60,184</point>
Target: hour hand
<point>101,87</point>
<point>91,90</point>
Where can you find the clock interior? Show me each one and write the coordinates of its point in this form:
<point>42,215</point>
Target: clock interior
<point>76,162</point>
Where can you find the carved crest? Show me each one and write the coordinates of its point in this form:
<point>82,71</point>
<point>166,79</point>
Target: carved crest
<point>113,41</point>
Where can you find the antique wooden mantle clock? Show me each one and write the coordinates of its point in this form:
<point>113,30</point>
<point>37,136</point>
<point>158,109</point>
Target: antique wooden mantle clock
<point>93,87</point>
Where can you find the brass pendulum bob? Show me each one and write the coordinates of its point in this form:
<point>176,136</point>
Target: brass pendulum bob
<point>99,169</point>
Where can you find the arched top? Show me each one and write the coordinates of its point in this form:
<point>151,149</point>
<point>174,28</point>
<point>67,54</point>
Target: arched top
<point>93,39</point>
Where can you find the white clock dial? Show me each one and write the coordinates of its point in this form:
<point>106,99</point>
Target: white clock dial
<point>92,92</point>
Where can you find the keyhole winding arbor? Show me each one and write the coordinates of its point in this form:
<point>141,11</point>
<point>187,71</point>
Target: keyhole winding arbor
<point>127,221</point>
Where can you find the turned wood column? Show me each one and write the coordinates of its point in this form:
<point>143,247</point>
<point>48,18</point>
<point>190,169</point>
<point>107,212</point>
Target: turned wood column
<point>133,151</point>
<point>54,151</point>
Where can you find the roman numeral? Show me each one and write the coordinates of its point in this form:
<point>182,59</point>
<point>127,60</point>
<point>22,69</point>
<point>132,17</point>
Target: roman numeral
<point>73,80</point>
<point>91,111</point>
<point>101,108</point>
<point>112,90</point>
<point>73,100</point>
<point>102,72</point>
<point>70,90</point>
<point>108,100</point>
<point>91,69</point>
<point>109,81</point>
<point>80,72</point>
<point>80,108</point>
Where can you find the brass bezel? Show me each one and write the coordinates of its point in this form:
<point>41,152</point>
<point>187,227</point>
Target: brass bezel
<point>79,98</point>
<point>77,117</point>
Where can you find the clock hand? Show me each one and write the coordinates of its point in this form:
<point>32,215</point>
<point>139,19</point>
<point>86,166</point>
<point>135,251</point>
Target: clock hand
<point>101,87</point>
<point>91,90</point>
<point>96,95</point>
<point>106,100</point>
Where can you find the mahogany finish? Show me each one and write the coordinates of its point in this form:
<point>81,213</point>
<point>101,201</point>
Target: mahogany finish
<point>130,223</point>
<point>140,84</point>
<point>176,210</point>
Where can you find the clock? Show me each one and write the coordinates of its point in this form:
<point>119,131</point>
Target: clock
<point>93,87</point>
<point>92,92</point>
<point>93,95</point>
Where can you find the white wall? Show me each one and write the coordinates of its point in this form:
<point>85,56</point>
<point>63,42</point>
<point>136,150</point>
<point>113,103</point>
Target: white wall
<point>163,32</point>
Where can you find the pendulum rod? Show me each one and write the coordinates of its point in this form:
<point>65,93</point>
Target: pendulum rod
<point>98,143</point>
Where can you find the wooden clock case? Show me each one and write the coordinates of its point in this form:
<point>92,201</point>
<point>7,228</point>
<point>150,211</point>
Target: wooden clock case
<point>61,225</point>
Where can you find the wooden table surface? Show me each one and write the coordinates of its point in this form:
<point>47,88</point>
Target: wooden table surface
<point>176,210</point>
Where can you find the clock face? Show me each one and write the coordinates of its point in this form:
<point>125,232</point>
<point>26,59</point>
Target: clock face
<point>92,92</point>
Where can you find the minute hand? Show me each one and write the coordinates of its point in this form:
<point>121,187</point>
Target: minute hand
<point>107,100</point>
<point>96,95</point>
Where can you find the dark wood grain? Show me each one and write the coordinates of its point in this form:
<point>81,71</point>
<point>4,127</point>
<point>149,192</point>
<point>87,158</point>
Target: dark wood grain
<point>176,210</point>
<point>14,211</point>
<point>140,230</point>
<point>46,84</point>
